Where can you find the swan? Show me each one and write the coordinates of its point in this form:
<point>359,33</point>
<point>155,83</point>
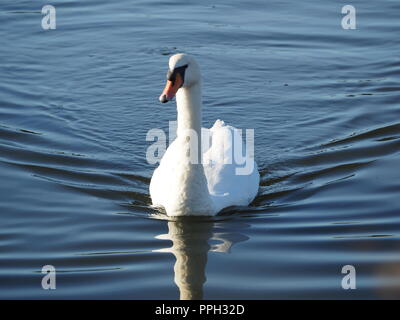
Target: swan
<point>194,177</point>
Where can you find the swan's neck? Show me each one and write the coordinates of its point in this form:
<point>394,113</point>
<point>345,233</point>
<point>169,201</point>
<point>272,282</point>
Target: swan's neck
<point>188,101</point>
<point>192,195</point>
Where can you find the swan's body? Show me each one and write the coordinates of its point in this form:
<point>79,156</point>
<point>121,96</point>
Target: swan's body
<point>191,181</point>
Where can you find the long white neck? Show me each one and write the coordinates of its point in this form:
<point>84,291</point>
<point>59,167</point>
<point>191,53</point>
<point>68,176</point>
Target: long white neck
<point>192,195</point>
<point>188,101</point>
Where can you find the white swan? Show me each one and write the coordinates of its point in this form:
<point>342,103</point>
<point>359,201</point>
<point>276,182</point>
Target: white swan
<point>192,180</point>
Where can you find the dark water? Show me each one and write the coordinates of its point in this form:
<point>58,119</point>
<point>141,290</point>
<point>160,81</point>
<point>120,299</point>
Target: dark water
<point>76,104</point>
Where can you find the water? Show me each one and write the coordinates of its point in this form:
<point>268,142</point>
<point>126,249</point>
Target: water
<point>76,104</point>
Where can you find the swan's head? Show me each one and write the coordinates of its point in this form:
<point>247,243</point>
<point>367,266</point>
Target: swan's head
<point>183,72</point>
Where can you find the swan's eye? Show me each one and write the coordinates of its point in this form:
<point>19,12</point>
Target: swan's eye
<point>171,75</point>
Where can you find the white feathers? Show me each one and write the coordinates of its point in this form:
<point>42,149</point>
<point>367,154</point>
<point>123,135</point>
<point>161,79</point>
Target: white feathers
<point>186,187</point>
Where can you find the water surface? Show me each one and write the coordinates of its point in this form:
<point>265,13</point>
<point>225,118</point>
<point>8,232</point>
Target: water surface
<point>76,104</point>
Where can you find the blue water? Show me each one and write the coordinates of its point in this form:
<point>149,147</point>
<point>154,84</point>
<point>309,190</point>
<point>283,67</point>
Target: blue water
<point>76,104</point>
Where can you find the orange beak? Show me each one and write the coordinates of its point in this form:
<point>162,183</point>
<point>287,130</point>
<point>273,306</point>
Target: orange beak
<point>170,89</point>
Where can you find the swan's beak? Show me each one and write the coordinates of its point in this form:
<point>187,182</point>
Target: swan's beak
<point>170,89</point>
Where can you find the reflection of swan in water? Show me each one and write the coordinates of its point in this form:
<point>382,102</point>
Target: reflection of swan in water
<point>191,243</point>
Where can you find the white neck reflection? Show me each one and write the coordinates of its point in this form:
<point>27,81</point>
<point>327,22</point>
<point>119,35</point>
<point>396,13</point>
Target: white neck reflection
<point>191,242</point>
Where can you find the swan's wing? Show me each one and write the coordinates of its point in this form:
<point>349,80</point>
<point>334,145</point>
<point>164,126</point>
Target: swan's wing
<point>227,184</point>
<point>160,183</point>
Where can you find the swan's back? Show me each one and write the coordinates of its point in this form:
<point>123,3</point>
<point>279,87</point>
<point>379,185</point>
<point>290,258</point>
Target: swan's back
<point>227,187</point>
